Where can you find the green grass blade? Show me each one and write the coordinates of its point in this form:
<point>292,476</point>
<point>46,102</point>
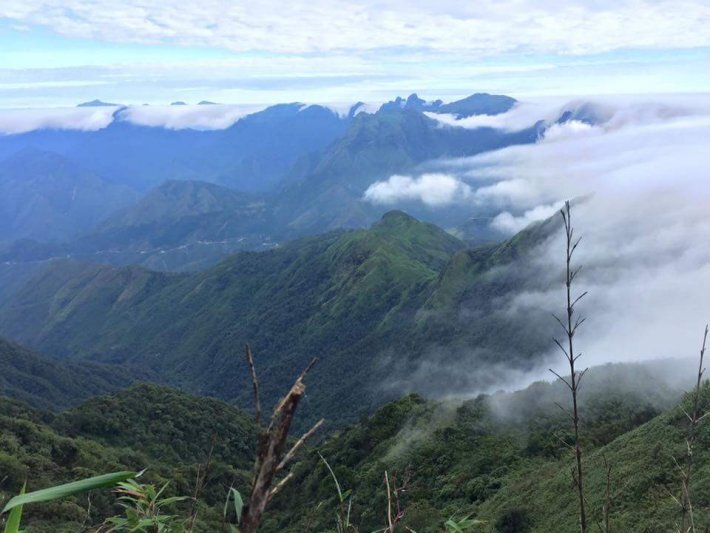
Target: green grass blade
<point>332,474</point>
<point>13,521</point>
<point>69,489</point>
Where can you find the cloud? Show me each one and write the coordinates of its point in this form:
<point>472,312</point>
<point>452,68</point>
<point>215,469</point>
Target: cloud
<point>84,118</point>
<point>507,223</point>
<point>521,116</point>
<point>199,117</point>
<point>641,184</point>
<point>434,190</point>
<point>314,26</point>
<point>645,226</point>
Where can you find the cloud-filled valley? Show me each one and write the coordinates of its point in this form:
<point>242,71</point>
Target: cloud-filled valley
<point>638,178</point>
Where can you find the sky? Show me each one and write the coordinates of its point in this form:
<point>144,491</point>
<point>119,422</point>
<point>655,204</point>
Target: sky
<point>57,53</point>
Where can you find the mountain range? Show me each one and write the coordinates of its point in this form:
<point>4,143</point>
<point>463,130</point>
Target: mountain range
<point>136,262</point>
<point>281,173</point>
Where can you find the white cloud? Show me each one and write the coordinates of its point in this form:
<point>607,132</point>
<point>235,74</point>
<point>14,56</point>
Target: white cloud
<point>613,112</point>
<point>434,190</point>
<point>506,222</point>
<point>199,117</point>
<point>521,116</point>
<point>79,118</point>
<point>645,225</point>
<point>302,27</point>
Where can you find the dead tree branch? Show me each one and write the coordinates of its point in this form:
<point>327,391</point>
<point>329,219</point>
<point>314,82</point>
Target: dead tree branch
<point>271,455</point>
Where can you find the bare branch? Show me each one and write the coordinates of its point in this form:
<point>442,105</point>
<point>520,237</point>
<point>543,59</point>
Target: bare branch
<point>281,484</point>
<point>580,296</point>
<point>561,348</point>
<point>560,323</point>
<point>573,383</point>
<point>561,378</point>
<point>298,444</point>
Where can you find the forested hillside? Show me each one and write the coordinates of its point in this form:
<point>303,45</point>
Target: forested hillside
<point>498,459</point>
<point>46,383</point>
<point>367,303</point>
<point>502,460</point>
<point>168,433</point>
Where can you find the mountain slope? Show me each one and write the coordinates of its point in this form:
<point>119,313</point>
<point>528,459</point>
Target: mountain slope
<point>369,303</point>
<point>396,140</point>
<point>47,197</point>
<point>476,104</point>
<point>146,426</point>
<point>180,225</point>
<point>252,155</point>
<point>499,459</point>
<point>46,383</point>
<point>309,166</point>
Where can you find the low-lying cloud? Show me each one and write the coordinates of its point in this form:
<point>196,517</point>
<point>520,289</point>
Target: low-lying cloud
<point>179,117</point>
<point>434,190</point>
<point>79,118</point>
<point>640,178</point>
<point>175,117</point>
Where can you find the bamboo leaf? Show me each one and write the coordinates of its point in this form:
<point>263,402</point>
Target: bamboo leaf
<point>69,489</point>
<point>238,504</point>
<point>13,521</point>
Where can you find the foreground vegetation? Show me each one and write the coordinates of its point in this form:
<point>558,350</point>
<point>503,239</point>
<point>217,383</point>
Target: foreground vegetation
<point>498,459</point>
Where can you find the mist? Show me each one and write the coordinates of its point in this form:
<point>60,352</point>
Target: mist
<point>638,177</point>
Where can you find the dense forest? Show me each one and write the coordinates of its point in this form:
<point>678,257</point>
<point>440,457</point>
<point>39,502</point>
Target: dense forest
<point>499,458</point>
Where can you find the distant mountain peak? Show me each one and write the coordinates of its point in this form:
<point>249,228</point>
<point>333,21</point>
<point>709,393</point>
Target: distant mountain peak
<point>396,217</point>
<point>206,102</point>
<point>97,103</point>
<point>179,102</point>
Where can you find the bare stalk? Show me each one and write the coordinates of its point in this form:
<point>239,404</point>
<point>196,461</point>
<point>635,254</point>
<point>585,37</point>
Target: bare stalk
<point>395,513</point>
<point>607,496</point>
<point>694,419</point>
<point>255,384</point>
<point>201,482</point>
<point>570,326</point>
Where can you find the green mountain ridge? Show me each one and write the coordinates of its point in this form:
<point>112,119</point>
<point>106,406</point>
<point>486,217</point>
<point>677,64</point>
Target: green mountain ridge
<point>357,300</point>
<point>48,197</point>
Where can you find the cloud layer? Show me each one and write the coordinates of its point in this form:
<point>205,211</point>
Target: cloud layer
<point>641,181</point>
<point>79,118</point>
<point>198,117</point>
<point>645,222</point>
<point>315,26</point>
